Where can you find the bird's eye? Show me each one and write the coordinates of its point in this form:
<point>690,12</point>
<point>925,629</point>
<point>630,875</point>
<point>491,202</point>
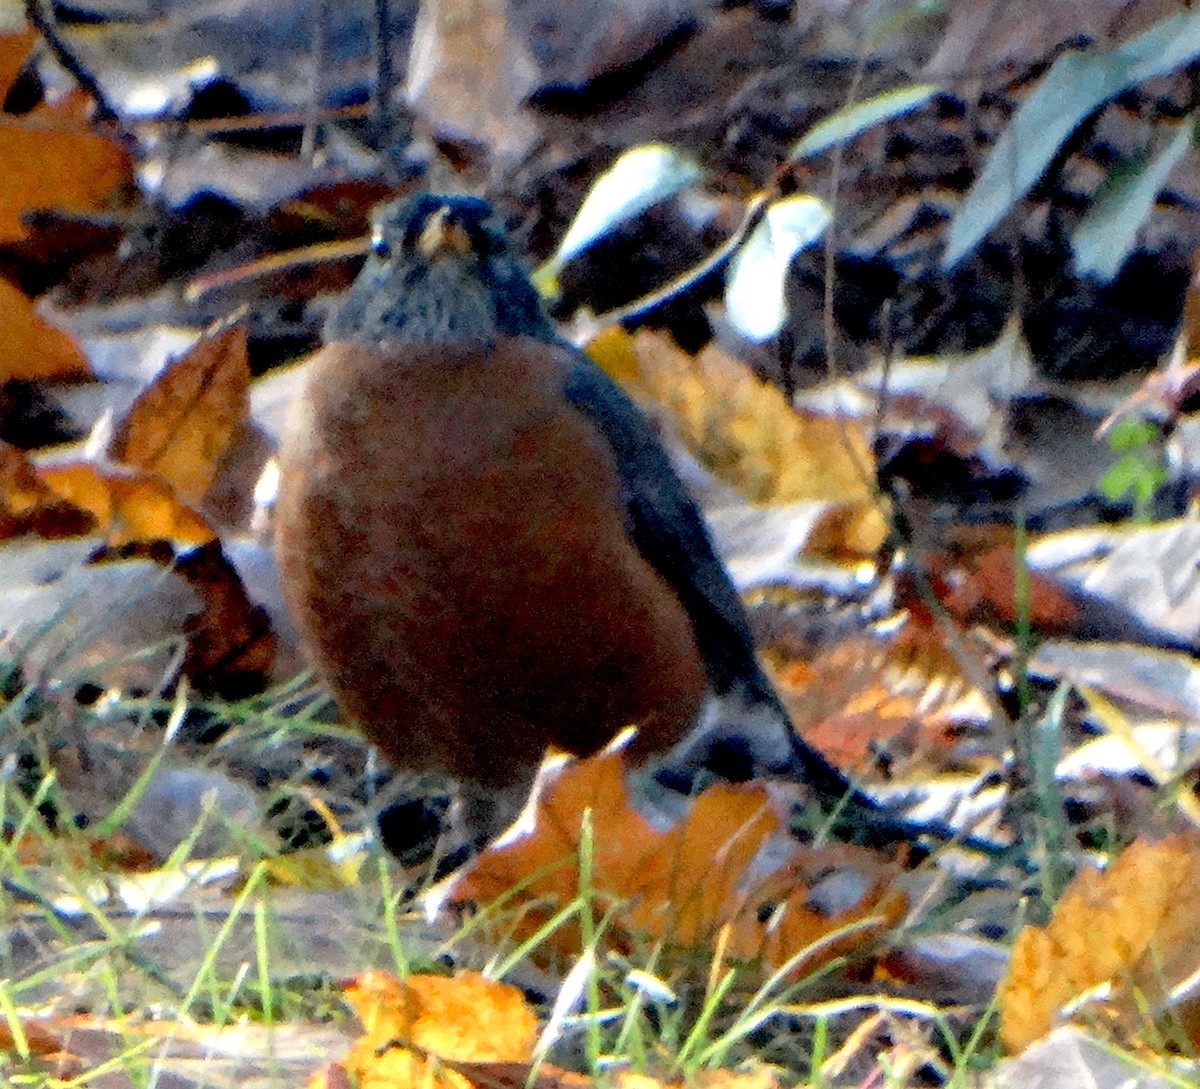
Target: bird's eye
<point>380,246</point>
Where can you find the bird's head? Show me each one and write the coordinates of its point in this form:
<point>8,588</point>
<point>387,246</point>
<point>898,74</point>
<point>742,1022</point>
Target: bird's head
<point>440,268</point>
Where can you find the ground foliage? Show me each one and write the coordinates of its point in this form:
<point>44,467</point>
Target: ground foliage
<point>973,575</point>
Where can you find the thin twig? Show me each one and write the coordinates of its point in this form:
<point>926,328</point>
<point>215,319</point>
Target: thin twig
<point>381,100</point>
<point>44,23</point>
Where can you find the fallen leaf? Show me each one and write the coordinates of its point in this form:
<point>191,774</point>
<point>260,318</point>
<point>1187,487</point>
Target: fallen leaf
<point>181,426</point>
<point>127,504</point>
<point>416,1028</point>
<point>231,644</point>
<point>14,53</point>
<point>745,432</point>
<point>874,693</point>
<point>989,592</point>
<point>30,347</point>
<point>39,1037</point>
<point>52,159</point>
<point>729,874</point>
<point>29,505</point>
<point>1124,937</point>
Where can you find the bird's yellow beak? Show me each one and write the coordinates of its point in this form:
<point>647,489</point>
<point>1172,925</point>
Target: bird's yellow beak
<point>443,234</point>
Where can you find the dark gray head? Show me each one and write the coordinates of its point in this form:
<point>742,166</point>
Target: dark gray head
<point>440,269</point>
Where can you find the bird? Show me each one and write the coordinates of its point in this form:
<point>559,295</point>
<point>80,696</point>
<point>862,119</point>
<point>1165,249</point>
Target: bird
<point>484,544</point>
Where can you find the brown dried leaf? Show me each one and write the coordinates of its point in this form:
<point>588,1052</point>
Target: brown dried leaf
<point>707,880</point>
<point>32,348</point>
<point>231,645</point>
<point>40,1037</point>
<point>692,889</point>
<point>29,505</point>
<point>181,426</point>
<point>14,52</point>
<point>989,594</point>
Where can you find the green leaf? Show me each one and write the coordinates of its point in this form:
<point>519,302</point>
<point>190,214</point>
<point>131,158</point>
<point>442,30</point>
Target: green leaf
<point>1076,84</point>
<point>849,122</point>
<point>1121,479</point>
<point>1107,233</point>
<point>754,296</point>
<point>1133,433</point>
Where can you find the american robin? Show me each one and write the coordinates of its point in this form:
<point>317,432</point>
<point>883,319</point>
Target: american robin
<point>483,543</point>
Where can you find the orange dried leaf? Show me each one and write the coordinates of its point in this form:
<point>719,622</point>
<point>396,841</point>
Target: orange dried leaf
<point>416,1029</point>
<point>50,158</point>
<point>116,851</point>
<point>622,837</point>
<point>182,424</point>
<point>727,873</point>
<point>127,505</point>
<point>472,1018</point>
<point>30,347</point>
<point>41,1038</point>
<point>1132,927</point>
<point>14,52</point>
<point>707,857</point>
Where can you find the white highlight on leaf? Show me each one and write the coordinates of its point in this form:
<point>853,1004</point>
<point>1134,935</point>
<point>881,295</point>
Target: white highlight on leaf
<point>754,287</point>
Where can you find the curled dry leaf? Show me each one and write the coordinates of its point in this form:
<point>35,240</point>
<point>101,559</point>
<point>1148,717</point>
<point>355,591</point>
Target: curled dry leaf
<point>230,641</point>
<point>1128,934</point>
<point>730,872</point>
<point>181,426</point>
<point>416,1029</point>
<point>231,644</point>
<point>171,443</point>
